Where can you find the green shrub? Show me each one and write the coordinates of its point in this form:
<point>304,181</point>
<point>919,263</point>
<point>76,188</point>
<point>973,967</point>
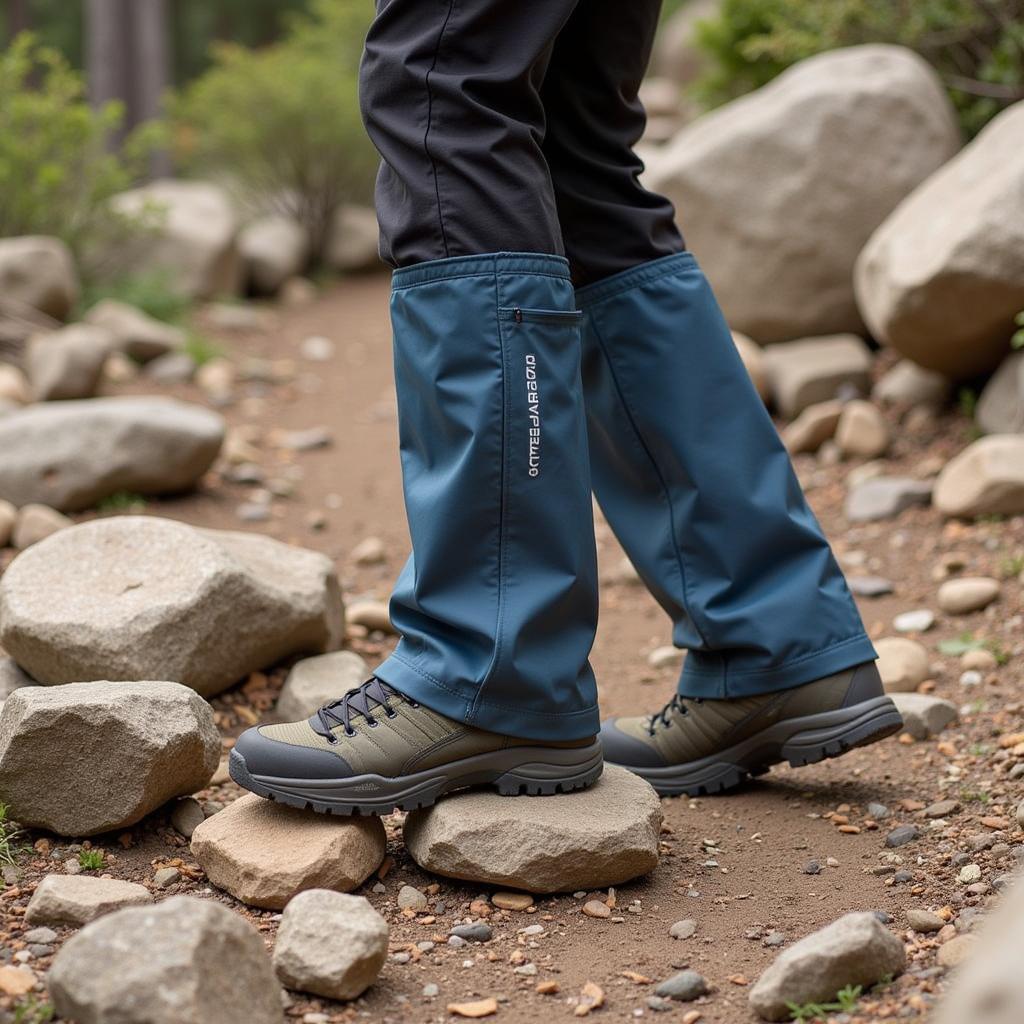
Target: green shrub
<point>977,47</point>
<point>56,173</point>
<point>283,122</point>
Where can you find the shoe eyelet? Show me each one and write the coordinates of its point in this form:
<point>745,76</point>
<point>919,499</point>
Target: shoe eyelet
<point>372,723</point>
<point>332,739</point>
<point>350,733</point>
<point>414,704</point>
<point>391,714</point>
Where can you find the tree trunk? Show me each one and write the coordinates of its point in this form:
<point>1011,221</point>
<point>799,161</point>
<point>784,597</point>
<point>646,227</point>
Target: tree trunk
<point>18,19</point>
<point>106,53</point>
<point>151,63</point>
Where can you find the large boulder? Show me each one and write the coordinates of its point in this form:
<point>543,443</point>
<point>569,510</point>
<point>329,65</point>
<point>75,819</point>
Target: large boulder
<point>67,363</point>
<point>942,278</point>
<point>985,479</point>
<point>138,597</point>
<point>184,961</point>
<point>38,272</point>
<point>601,836</point>
<point>189,233</point>
<point>353,244</point>
<point>778,191</point>
<point>134,332</point>
<point>676,53</point>
<point>91,757</point>
<point>264,853</point>
<point>989,987</point>
<point>330,944</point>
<point>70,455</point>
<point>855,950</point>
<point>274,249</point>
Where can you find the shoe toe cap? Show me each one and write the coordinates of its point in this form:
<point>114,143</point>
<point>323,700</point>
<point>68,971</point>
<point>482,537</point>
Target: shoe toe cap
<point>621,748</point>
<point>266,756</point>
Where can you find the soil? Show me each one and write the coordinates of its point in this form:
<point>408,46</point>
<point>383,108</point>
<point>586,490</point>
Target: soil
<point>734,863</point>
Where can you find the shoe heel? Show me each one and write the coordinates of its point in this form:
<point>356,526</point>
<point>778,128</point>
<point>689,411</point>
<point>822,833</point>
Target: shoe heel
<point>542,779</point>
<point>855,726</point>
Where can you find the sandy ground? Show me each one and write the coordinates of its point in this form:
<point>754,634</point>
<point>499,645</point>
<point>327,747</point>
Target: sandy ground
<point>734,863</point>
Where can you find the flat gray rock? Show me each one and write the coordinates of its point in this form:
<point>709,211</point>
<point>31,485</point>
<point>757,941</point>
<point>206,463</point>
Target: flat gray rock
<point>924,716</point>
<point>134,332</point>
<point>75,900</point>
<point>855,950</point>
<point>139,597</point>
<point>601,836</point>
<point>185,961</point>
<point>885,497</point>
<point>330,944</point>
<point>986,478</point>
<point>90,757</point>
<point>70,455</point>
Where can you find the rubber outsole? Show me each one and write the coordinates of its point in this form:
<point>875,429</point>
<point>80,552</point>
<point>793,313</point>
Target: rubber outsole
<point>799,742</point>
<point>374,795</point>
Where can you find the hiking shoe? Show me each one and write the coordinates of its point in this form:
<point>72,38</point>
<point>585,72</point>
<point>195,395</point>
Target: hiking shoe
<point>697,746</point>
<point>376,750</point>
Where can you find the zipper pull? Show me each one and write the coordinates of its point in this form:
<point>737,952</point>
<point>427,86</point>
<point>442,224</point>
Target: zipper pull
<point>517,313</point>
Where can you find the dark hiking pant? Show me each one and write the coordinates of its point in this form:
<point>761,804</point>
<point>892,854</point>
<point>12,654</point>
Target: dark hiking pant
<point>551,335</point>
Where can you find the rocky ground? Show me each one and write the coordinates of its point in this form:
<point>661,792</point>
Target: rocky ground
<point>313,460</point>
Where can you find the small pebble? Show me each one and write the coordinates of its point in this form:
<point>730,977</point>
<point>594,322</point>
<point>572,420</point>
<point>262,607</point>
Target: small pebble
<point>684,929</point>
<point>165,877</point>
<point>918,621</point>
<point>684,986</point>
<point>410,898</point>
<point>902,834</point>
<point>595,908</point>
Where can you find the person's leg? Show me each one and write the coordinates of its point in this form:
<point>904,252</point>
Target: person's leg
<point>497,607</point>
<point>686,463</point>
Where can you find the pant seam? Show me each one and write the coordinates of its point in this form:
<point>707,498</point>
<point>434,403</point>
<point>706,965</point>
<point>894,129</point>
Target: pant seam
<point>430,116</point>
<point>502,515</point>
<point>680,563</point>
<point>791,663</point>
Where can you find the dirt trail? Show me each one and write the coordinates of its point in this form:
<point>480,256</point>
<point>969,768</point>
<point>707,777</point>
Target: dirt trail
<point>736,863</point>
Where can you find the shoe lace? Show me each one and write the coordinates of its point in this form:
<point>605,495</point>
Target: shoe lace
<point>663,718</point>
<point>362,700</point>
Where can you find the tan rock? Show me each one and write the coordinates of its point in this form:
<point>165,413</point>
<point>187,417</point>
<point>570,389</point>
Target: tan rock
<point>274,249</point>
<point>134,332</point>
<point>812,370</point>
<point>40,272</point>
<point>139,597</point>
<point>601,836</point>
<point>812,428</point>
<point>908,384</point>
<point>902,663</point>
<point>986,478</point>
<point>8,517</point>
<point>67,363</point>
<point>36,523</point>
<point>781,188</point>
<point>75,900</point>
<point>954,952</point>
<point>940,279</point>
<point>371,614</point>
<point>14,387</point>
<point>967,594</point>
<point>263,853</point>
<point>753,359</point>
<point>91,757</point>
<point>862,431</point>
